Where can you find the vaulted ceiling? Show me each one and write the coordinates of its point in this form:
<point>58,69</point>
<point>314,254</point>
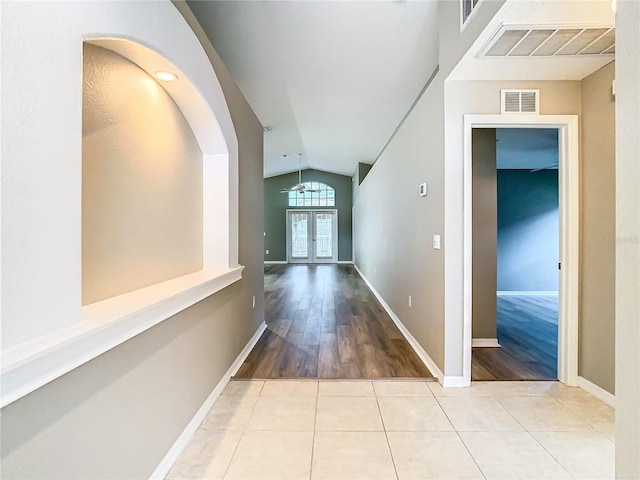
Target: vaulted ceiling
<point>331,79</point>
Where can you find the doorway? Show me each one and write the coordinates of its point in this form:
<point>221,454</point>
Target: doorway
<point>569,213</point>
<point>516,253</point>
<point>312,236</point>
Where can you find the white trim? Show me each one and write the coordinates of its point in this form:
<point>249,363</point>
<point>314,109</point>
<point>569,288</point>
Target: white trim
<point>455,381</point>
<point>598,392</point>
<point>474,10</point>
<point>421,352</point>
<point>569,181</point>
<point>485,343</point>
<point>527,293</point>
<point>275,262</point>
<point>105,325</point>
<point>311,232</point>
<point>182,441</point>
<point>345,262</point>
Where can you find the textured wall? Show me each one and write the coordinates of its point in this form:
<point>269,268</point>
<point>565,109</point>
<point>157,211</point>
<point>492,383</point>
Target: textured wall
<point>276,205</point>
<point>141,181</point>
<point>528,230</point>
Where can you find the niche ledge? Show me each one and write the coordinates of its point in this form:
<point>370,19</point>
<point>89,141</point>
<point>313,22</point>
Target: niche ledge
<point>104,325</point>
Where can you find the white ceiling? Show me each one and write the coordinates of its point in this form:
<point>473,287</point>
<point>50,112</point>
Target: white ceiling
<point>332,79</point>
<point>579,13</point>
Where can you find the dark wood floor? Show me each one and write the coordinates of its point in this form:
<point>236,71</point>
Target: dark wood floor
<point>323,322</point>
<point>528,335</point>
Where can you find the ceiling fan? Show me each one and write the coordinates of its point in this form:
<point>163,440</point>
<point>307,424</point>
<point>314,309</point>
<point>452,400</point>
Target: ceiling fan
<point>299,187</point>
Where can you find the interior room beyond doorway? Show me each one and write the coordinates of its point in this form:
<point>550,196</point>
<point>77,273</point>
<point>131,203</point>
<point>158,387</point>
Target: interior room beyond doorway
<point>516,254</point>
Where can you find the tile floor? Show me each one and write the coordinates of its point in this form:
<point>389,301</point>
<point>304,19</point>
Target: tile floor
<point>285,429</point>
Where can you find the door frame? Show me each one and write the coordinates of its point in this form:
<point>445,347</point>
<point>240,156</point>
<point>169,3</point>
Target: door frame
<point>569,205</point>
<point>312,212</point>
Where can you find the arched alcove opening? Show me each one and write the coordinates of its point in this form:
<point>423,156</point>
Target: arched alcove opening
<point>141,181</point>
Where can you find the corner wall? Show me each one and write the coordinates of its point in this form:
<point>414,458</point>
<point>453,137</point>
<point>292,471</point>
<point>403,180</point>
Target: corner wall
<point>598,244</point>
<point>117,416</point>
<point>627,306</point>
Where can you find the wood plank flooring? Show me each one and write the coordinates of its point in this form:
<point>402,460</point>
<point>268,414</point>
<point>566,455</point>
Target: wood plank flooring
<point>528,335</point>
<point>324,322</point>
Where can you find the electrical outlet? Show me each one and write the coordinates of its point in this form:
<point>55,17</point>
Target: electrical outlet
<point>267,252</point>
<point>254,302</point>
<point>409,301</point>
<point>436,242</point>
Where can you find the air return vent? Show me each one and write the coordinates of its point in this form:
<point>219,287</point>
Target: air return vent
<point>520,101</point>
<point>547,41</point>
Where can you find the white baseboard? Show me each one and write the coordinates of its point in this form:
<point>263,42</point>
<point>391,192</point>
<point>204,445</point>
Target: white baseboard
<point>179,445</point>
<point>527,293</point>
<point>274,262</point>
<point>421,352</point>
<point>485,342</point>
<point>454,381</point>
<point>598,392</point>
<point>345,262</point>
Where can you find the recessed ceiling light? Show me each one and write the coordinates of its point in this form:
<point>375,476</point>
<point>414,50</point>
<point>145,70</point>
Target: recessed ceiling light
<point>166,76</point>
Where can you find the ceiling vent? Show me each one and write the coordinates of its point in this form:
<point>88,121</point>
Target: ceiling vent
<point>520,101</point>
<point>549,41</point>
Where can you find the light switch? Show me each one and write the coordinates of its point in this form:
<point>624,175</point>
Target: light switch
<point>436,242</point>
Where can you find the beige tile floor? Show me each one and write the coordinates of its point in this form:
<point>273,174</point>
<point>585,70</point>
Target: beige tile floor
<point>366,430</point>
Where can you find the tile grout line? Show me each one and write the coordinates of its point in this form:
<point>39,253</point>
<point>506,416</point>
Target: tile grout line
<point>384,429</point>
<point>244,430</point>
<point>459,436</point>
<point>530,434</point>
<point>313,437</point>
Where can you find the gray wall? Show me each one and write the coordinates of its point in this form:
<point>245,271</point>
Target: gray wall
<point>276,205</point>
<point>627,253</point>
<point>117,416</point>
<point>597,286</point>
<point>484,225</point>
<point>394,225</point>
<point>528,230</point>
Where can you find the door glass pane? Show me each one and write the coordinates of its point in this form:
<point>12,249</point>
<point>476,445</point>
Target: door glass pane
<point>324,235</point>
<point>299,229</point>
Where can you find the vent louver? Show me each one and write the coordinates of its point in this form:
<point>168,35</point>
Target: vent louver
<point>546,41</point>
<point>520,101</point>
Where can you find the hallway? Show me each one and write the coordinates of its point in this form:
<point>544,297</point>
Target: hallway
<point>364,430</point>
<point>324,322</point>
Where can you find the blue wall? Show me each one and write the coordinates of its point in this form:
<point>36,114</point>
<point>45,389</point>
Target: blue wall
<point>528,230</point>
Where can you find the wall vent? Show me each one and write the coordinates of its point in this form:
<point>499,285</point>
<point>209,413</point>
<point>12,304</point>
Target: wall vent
<point>520,101</point>
<point>551,41</point>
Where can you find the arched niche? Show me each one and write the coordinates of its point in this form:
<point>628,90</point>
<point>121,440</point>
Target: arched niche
<point>46,331</point>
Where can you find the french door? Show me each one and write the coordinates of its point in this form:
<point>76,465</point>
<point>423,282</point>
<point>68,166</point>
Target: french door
<point>312,236</point>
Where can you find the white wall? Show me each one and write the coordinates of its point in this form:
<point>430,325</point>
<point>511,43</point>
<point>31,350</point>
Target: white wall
<point>627,240</point>
<point>41,145</point>
<point>115,417</point>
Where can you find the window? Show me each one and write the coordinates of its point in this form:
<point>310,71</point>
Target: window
<point>467,8</point>
<point>316,194</point>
